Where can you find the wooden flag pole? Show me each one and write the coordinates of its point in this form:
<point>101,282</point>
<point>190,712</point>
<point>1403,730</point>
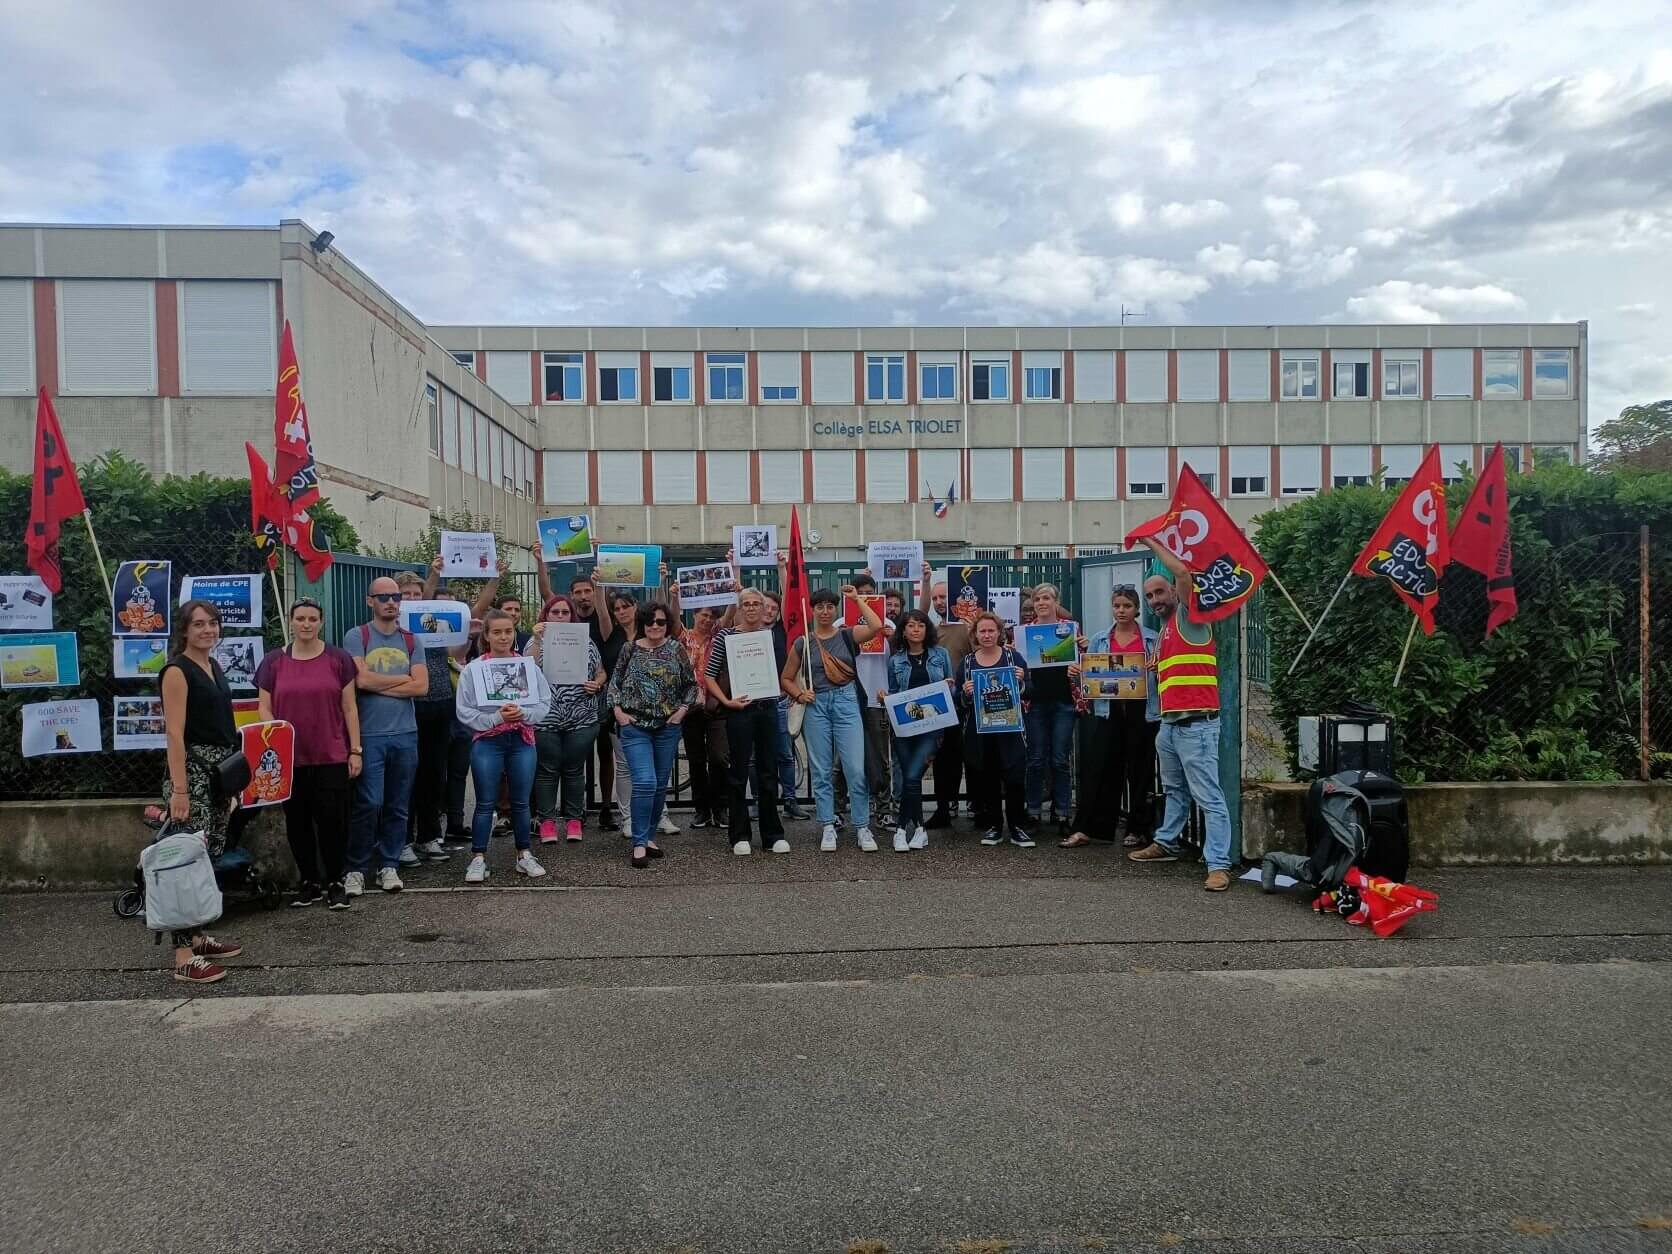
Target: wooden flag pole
<point>1321,619</point>
<point>1288,598</point>
<point>110,594</point>
<point>284,614</point>
<point>1406,651</point>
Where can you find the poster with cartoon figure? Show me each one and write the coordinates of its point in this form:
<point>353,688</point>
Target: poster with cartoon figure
<point>239,657</point>
<point>140,602</point>
<point>270,749</point>
<point>966,592</point>
<point>60,727</point>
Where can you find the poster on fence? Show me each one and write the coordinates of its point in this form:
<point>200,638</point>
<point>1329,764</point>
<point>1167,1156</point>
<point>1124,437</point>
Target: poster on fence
<point>40,660</point>
<point>239,657</point>
<point>755,544</point>
<point>137,723</point>
<point>966,592</point>
<point>139,603</point>
<point>25,604</point>
<point>920,710</point>
<point>437,624</point>
<point>469,554</point>
<point>895,561</point>
<point>60,727</point>
<point>138,657</point>
<point>700,586</point>
<point>237,597</point>
<point>270,749</point>
<point>1006,603</point>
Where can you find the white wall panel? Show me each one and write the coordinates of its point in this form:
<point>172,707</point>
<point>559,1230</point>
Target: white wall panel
<point>1199,374</point>
<point>781,480</point>
<point>228,341</point>
<point>1146,376</point>
<point>17,336</point>
<point>833,378</point>
<point>885,474</point>
<point>107,341</point>
<point>1094,375</point>
<point>673,478</point>
<point>620,478</point>
<point>564,480</point>
<point>992,474</point>
<point>1249,376</point>
<point>1042,474</point>
<point>510,375</point>
<point>1094,474</point>
<point>728,477</point>
<point>1454,372</point>
<point>834,476</point>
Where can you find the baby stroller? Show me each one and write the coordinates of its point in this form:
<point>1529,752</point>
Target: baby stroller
<point>235,870</point>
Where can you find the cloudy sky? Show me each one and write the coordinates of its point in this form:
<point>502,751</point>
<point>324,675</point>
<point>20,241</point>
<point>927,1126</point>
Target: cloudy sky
<point>881,161</point>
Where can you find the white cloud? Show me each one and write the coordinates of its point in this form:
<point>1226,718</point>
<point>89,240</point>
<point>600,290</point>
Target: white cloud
<point>1107,104</point>
<point>1289,221</point>
<point>1181,216</point>
<point>1127,210</point>
<point>1227,261</point>
<point>1399,300</point>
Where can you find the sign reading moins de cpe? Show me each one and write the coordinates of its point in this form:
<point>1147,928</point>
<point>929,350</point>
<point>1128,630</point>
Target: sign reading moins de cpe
<point>853,429</point>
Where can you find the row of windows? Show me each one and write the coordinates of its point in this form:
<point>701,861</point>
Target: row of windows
<point>463,436</point>
<point>991,475</point>
<point>1202,375</point>
<point>106,334</point>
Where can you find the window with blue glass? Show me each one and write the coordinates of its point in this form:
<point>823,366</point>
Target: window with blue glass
<point>618,383</point>
<point>990,380</point>
<point>563,376</point>
<point>1044,383</point>
<point>725,377</point>
<point>670,383</point>
<point>780,393</point>
<point>885,377</point>
<point>939,382</point>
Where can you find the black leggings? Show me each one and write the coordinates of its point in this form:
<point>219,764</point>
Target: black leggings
<point>316,821</point>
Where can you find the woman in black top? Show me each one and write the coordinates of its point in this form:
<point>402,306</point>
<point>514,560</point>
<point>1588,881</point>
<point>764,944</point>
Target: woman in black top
<point>197,712</point>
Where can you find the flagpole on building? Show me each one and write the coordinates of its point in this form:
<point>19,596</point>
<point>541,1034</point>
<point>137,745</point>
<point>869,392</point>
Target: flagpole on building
<point>1288,598</point>
<point>87,517</point>
<point>1339,590</point>
<point>1406,651</point>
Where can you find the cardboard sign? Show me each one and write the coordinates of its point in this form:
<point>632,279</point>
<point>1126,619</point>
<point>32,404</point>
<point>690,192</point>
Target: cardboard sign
<point>40,660</point>
<point>469,554</point>
<point>52,727</point>
<point>25,604</point>
<point>565,653</point>
<point>270,749</point>
<point>237,597</point>
<point>245,710</point>
<point>497,681</point>
<point>851,617</point>
<point>140,603</point>
<point>918,711</point>
<point>1006,603</point>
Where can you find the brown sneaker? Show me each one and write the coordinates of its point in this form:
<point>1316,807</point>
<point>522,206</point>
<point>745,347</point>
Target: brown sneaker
<point>199,971</point>
<point>209,947</point>
<point>1217,881</point>
<point>1152,852</point>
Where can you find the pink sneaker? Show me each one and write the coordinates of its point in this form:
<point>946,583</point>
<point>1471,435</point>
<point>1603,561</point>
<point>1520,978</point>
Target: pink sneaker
<point>574,831</point>
<point>548,831</point>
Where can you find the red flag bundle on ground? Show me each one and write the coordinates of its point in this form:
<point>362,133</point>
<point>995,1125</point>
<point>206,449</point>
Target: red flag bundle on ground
<point>55,496</point>
<point>1225,567</point>
<point>295,474</point>
<point>795,584</point>
<point>1410,547</point>
<point>276,521</point>
<point>1481,540</point>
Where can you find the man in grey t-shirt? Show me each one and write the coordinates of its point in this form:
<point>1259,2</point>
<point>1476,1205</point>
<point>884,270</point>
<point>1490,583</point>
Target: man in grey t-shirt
<point>392,672</point>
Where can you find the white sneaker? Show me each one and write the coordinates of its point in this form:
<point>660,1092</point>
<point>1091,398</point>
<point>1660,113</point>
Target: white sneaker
<point>389,881</point>
<point>354,883</point>
<point>666,826</point>
<point>477,871</point>
<point>920,839</point>
<point>526,865</point>
<point>743,849</point>
<point>900,845</point>
<point>780,845</point>
<point>827,840</point>
<point>433,851</point>
<point>409,856</point>
<point>867,842</point>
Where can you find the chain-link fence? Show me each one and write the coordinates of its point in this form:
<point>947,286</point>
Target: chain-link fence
<point>1557,693</point>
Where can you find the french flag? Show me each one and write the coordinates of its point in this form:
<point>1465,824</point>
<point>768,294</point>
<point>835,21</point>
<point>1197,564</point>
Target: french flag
<point>941,507</point>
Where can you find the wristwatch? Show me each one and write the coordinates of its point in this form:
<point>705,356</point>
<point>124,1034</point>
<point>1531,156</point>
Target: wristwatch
<point>355,752</point>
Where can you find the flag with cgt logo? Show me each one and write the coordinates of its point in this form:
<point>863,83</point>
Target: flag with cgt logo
<point>1225,567</point>
<point>1410,548</point>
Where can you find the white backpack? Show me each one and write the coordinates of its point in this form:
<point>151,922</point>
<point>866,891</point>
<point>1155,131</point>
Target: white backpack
<point>180,888</point>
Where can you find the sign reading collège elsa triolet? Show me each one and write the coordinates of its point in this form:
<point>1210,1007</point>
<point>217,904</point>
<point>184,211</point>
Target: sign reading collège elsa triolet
<point>61,727</point>
<point>236,597</point>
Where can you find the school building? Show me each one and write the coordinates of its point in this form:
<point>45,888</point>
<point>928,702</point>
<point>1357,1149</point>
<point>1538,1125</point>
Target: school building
<point>160,341</point>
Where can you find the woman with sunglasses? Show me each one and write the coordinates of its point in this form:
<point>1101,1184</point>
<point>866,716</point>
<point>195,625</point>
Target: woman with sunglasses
<point>563,740</point>
<point>651,691</point>
<point>1117,742</point>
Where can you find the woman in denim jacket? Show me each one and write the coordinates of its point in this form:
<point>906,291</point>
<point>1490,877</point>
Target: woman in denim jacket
<point>917,660</point>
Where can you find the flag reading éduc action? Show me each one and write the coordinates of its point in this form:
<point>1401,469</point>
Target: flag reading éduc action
<point>54,496</point>
<point>1480,541</point>
<point>1410,547</point>
<point>1225,567</point>
<point>795,584</point>
<point>296,476</point>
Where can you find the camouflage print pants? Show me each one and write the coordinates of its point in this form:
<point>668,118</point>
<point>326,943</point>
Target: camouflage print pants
<point>208,815</point>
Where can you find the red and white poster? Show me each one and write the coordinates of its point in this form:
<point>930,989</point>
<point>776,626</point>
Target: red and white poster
<point>270,749</point>
<point>851,617</point>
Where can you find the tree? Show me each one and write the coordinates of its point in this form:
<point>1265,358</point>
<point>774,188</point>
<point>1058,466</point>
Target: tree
<point>1641,436</point>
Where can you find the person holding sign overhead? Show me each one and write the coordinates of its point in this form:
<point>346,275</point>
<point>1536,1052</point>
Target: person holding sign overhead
<point>995,760</point>
<point>821,674</point>
<point>1117,737</point>
<point>652,690</point>
<point>563,740</point>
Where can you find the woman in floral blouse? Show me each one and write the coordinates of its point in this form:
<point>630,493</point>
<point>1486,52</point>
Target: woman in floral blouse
<point>652,690</point>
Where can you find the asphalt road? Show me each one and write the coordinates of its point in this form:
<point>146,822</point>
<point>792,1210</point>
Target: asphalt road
<point>973,1050</point>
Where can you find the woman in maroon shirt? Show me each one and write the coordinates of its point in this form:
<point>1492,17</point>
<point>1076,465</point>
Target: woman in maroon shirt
<point>311,686</point>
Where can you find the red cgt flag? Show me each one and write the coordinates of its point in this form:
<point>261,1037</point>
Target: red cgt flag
<point>296,476</point>
<point>795,584</point>
<point>54,496</point>
<point>1410,547</point>
<point>276,522</point>
<point>1225,567</point>
<point>1480,541</point>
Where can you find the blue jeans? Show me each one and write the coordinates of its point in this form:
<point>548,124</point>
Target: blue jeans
<point>786,754</point>
<point>382,796</point>
<point>650,753</point>
<point>1190,772</point>
<point>1050,729</point>
<point>504,757</point>
<point>911,759</point>
<point>834,729</point>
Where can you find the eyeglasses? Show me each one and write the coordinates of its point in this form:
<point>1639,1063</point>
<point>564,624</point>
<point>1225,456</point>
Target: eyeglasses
<point>386,596</point>
<point>657,622</point>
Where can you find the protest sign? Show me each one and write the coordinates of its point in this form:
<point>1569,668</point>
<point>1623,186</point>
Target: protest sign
<point>752,665</point>
<point>501,681</point>
<point>565,655</point>
<point>851,617</point>
<point>755,544</point>
<point>895,561</point>
<point>270,749</point>
<point>40,660</point>
<point>138,657</point>
<point>60,727</point>
<point>469,554</point>
<point>966,592</point>
<point>25,604</point>
<point>998,699</point>
<point>565,539</point>
<point>437,624</point>
<point>140,603</point>
<point>239,657</point>
<point>1006,603</point>
<point>630,565</point>
<point>1048,644</point>
<point>920,710</point>
<point>237,597</point>
<point>1114,676</point>
<point>705,585</point>
<point>138,724</point>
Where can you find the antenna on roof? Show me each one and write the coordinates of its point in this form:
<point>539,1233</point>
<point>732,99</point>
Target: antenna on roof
<point>1126,313</point>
